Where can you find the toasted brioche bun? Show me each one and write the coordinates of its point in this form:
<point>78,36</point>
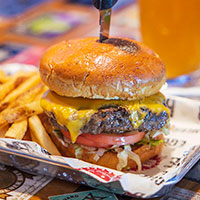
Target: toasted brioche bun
<point>116,69</point>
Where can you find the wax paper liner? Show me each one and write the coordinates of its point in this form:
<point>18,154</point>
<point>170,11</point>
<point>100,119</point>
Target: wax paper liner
<point>181,152</point>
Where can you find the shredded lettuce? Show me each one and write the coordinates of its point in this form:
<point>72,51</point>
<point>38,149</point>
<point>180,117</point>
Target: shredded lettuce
<point>78,151</point>
<point>166,129</point>
<point>151,142</point>
<point>156,142</point>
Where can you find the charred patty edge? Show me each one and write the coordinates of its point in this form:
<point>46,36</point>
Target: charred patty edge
<point>116,120</point>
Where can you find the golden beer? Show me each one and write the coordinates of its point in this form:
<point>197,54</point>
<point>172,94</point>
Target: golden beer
<point>172,29</point>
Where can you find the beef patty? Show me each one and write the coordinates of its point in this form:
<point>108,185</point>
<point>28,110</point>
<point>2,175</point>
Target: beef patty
<point>116,120</point>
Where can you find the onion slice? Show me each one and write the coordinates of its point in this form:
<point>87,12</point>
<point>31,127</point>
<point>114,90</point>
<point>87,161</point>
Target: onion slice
<point>136,158</point>
<point>123,156</point>
<point>123,160</point>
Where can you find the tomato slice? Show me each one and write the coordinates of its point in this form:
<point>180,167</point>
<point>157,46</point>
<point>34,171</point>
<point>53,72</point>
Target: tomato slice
<point>106,140</point>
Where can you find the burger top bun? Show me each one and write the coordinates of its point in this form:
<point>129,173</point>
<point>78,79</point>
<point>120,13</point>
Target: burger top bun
<point>115,69</point>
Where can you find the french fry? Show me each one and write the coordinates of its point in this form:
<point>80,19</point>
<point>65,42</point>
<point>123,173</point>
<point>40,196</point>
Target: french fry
<point>27,96</point>
<point>6,88</point>
<point>27,135</point>
<point>23,74</point>
<point>3,77</point>
<point>26,85</point>
<point>40,95</point>
<point>3,122</point>
<point>21,112</point>
<point>10,85</point>
<point>3,106</point>
<point>39,135</point>
<point>23,87</point>
<point>17,130</point>
<point>3,130</point>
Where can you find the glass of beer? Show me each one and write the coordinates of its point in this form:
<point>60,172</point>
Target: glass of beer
<point>172,29</point>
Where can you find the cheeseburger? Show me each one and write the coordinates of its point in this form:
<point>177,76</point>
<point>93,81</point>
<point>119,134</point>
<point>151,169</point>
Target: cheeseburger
<point>103,103</point>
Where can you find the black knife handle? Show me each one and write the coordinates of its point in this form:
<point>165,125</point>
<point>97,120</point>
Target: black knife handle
<point>104,4</point>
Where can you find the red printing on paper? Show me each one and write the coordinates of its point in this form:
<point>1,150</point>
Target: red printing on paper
<point>151,163</point>
<point>104,174</point>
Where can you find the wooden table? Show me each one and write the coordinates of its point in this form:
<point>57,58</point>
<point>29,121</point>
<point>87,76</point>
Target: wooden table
<point>57,187</point>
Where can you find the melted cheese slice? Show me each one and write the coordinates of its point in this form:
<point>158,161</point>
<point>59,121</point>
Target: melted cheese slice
<point>74,113</point>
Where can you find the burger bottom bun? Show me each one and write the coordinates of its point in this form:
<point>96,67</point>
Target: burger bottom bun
<point>108,159</point>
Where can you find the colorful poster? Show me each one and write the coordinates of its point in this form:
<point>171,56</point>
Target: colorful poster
<point>11,8</point>
<point>10,49</point>
<point>51,24</point>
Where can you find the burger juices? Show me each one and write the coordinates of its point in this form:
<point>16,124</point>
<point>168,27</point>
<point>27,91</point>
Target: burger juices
<point>104,103</point>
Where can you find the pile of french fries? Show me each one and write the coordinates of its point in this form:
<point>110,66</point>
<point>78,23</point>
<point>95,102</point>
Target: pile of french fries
<point>20,96</point>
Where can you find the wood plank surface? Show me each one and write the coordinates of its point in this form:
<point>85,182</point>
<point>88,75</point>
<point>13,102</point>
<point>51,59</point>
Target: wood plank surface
<point>57,187</point>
